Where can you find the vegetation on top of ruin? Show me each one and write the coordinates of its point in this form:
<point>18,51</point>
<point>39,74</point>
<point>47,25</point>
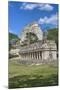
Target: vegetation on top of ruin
<point>52,34</point>
<point>31,37</point>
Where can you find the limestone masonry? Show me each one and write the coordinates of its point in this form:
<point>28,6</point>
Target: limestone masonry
<point>37,52</point>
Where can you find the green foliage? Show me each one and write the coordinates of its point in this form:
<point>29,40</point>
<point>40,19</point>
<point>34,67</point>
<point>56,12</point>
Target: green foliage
<point>53,35</point>
<point>12,36</point>
<point>31,37</point>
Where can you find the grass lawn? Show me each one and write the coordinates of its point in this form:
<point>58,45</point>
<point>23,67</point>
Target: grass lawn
<point>21,76</point>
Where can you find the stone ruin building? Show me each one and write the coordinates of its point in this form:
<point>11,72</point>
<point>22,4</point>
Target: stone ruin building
<point>40,51</point>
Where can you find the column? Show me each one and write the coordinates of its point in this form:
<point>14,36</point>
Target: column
<point>39,56</point>
<point>34,55</point>
<point>20,56</point>
<point>25,56</point>
<point>28,56</point>
<point>31,55</point>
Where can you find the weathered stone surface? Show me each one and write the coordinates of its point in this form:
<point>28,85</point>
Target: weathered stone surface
<point>34,28</point>
<point>42,51</point>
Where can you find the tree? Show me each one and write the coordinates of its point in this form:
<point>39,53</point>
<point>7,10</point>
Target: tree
<point>31,37</point>
<point>53,35</point>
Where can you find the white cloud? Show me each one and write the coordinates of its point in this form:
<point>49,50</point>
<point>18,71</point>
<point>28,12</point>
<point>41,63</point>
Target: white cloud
<point>30,6</point>
<point>52,20</point>
<point>46,7</point>
<point>12,31</point>
<point>27,6</point>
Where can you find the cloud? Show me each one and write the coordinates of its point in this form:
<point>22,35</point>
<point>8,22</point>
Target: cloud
<point>12,31</point>
<point>26,6</point>
<point>52,20</point>
<point>29,6</point>
<point>46,7</point>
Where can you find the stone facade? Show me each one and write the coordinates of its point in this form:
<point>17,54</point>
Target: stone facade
<point>38,52</point>
<point>34,28</point>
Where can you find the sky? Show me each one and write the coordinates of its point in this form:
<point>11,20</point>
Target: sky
<point>21,14</point>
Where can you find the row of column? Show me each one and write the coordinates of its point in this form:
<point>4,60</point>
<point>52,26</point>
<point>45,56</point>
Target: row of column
<point>40,55</point>
<point>31,55</point>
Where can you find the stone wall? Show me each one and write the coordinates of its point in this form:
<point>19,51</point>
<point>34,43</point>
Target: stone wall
<point>39,50</point>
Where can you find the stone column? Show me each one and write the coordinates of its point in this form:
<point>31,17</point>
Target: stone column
<point>28,56</point>
<point>42,55</point>
<point>37,55</point>
<point>31,55</point>
<point>34,56</point>
<point>20,56</point>
<point>25,56</point>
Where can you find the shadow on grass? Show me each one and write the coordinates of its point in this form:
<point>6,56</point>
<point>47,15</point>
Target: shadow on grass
<point>33,81</point>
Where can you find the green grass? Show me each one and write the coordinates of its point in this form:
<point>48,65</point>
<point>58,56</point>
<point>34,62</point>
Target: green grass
<point>32,75</point>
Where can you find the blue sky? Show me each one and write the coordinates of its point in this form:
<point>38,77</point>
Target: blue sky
<point>22,13</point>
